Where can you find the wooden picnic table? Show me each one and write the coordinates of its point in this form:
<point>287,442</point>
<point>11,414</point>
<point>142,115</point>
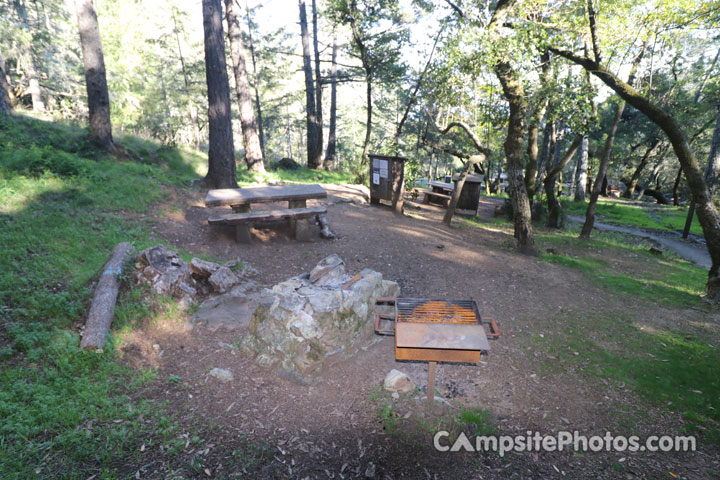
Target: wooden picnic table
<point>441,187</point>
<point>241,199</point>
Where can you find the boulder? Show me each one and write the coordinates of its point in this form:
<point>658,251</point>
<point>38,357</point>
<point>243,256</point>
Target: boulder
<point>397,381</point>
<point>222,374</point>
<point>171,276</point>
<point>223,279</point>
<point>307,322</point>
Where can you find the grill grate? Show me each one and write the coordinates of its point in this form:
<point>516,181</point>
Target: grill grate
<point>424,310</point>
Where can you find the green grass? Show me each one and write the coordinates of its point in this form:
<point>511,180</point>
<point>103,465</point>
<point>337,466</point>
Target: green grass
<point>668,280</point>
<point>478,419</point>
<point>668,368</point>
<point>301,175</point>
<point>63,207</point>
<point>653,216</point>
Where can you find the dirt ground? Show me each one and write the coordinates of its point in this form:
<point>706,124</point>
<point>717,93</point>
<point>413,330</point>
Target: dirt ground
<point>338,427</point>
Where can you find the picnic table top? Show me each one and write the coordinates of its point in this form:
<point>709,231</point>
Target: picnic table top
<point>270,193</point>
<point>443,185</point>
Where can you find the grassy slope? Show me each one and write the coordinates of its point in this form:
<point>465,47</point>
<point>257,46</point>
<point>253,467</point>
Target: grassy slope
<point>653,216</point>
<point>674,369</point>
<point>63,207</point>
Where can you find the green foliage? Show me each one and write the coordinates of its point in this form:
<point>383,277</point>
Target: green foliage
<point>478,419</point>
<point>669,281</point>
<point>668,368</point>
<point>65,409</point>
<point>301,175</point>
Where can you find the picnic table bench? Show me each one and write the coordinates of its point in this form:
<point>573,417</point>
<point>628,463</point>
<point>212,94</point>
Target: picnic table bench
<point>440,193</point>
<point>241,199</point>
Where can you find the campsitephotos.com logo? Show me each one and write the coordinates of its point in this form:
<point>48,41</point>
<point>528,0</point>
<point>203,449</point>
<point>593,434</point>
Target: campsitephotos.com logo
<point>563,440</point>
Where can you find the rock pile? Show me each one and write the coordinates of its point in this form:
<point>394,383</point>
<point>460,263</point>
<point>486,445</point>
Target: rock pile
<point>169,275</point>
<point>306,322</point>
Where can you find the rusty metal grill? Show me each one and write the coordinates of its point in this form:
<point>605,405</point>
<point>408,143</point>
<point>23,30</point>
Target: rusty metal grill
<point>424,310</point>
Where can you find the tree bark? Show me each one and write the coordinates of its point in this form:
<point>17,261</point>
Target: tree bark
<point>547,153</point>
<point>256,81</point>
<point>531,169</point>
<point>357,38</point>
<point>712,168</point>
<point>221,154</point>
<point>632,184</point>
<point>332,139</point>
<point>102,307</point>
<point>95,79</point>
<point>318,85</point>
<point>513,147</point>
<point>554,208</point>
<point>6,107</point>
<point>582,171</point>
<point>602,170</point>
<point>472,161</point>
<point>707,213</point>
<point>314,150</point>
<point>253,152</point>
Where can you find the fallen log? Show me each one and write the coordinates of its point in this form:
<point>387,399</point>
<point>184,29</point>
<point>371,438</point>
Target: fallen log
<point>325,231</point>
<point>102,308</point>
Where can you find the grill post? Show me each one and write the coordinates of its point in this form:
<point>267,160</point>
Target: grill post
<point>431,385</point>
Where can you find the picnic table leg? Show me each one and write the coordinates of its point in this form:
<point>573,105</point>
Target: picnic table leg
<point>294,222</point>
<point>242,233</point>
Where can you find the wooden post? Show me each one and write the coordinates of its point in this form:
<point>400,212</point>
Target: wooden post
<point>102,308</point>
<point>431,385</point>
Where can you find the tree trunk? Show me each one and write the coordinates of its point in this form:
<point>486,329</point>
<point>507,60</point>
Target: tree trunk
<point>30,67</point>
<point>318,87</point>
<point>712,168</point>
<point>253,152</point>
<point>331,146</point>
<point>472,161</point>
<point>314,151</point>
<point>221,154</point>
<point>6,107</point>
<point>531,168</point>
<point>357,38</point>
<point>676,188</point>
<point>256,81</point>
<point>632,184</point>
<point>554,208</point>
<point>547,154</point>
<point>513,147</point>
<point>95,80</point>
<point>602,170</point>
<point>707,213</point>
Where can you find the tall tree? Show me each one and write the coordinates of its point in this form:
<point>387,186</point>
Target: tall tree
<point>536,118</point>
<point>554,208</point>
<point>95,79</point>
<point>313,127</point>
<point>253,152</point>
<point>221,152</point>
<point>318,83</point>
<point>256,80</point>
<point>513,146</point>
<point>332,134</point>
<point>707,213</point>
<point>5,104</point>
<point>582,170</point>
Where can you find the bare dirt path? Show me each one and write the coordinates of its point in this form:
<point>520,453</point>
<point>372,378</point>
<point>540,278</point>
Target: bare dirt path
<point>345,426</point>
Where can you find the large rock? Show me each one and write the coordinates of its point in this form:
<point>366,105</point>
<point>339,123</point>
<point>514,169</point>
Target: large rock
<point>397,381</point>
<point>171,276</point>
<point>166,273</point>
<point>305,323</point>
<point>231,311</point>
